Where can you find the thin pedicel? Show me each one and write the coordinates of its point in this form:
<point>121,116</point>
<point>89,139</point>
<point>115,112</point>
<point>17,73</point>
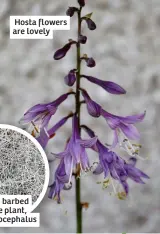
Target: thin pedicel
<point>74,160</point>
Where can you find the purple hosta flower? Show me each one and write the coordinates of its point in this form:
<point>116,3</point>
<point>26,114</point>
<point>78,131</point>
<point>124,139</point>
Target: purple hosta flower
<point>40,114</point>
<point>70,78</point>
<point>45,135</point>
<point>111,164</point>
<point>71,10</point>
<point>90,23</point>
<point>82,39</point>
<point>60,53</point>
<point>81,3</point>
<point>61,178</point>
<point>89,61</point>
<point>109,86</point>
<point>75,152</point>
<point>124,124</point>
<point>94,109</point>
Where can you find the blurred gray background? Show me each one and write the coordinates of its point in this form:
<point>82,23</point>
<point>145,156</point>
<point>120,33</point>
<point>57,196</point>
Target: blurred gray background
<point>126,47</point>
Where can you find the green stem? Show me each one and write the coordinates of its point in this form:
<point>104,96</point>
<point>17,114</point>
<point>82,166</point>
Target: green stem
<point>78,182</point>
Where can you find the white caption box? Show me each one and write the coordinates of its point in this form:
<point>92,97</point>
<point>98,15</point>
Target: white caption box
<point>15,211</point>
<point>37,27</point>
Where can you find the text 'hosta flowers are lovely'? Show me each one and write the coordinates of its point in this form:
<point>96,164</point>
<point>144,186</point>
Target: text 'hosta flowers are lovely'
<point>74,160</point>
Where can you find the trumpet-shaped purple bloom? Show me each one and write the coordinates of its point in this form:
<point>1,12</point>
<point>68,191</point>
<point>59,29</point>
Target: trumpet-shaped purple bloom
<point>111,164</point>
<point>61,178</point>
<point>75,152</point>
<point>94,109</point>
<point>70,78</point>
<point>125,124</point>
<point>60,53</point>
<point>109,86</point>
<point>40,114</point>
<point>45,135</point>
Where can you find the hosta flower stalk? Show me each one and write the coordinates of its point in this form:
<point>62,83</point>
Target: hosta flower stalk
<point>74,160</point>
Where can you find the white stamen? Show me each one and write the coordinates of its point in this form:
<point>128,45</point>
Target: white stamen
<point>70,176</point>
<point>114,188</point>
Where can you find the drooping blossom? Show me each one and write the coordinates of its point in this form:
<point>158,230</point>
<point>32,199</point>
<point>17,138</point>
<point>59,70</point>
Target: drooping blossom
<point>40,114</point>
<point>94,109</point>
<point>75,152</point>
<point>113,165</point>
<point>61,178</point>
<point>124,124</point>
<point>109,86</point>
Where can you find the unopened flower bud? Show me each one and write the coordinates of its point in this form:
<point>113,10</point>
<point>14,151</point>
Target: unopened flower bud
<point>81,3</point>
<point>90,62</point>
<point>60,53</point>
<point>94,109</point>
<point>71,10</point>
<point>82,39</point>
<point>70,78</point>
<point>91,24</point>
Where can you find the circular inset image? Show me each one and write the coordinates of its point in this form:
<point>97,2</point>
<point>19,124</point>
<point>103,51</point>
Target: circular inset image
<point>24,168</point>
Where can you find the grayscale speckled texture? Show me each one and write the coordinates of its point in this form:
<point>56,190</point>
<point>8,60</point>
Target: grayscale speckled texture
<point>126,47</point>
<point>22,169</point>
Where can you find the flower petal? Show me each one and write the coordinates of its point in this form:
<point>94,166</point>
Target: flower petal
<point>98,170</point>
<point>52,190</point>
<point>61,154</point>
<point>125,186</point>
<point>37,108</point>
<point>113,88</point>
<point>43,138</point>
<point>109,86</point>
<point>75,151</point>
<point>75,128</point>
<point>94,109</point>
<point>84,159</point>
<point>135,172</point>
<point>137,179</point>
<point>130,131</point>
<point>133,118</point>
<point>88,130</point>
<point>87,143</point>
<point>68,162</point>
<point>52,130</point>
<point>45,121</point>
<point>60,99</point>
<point>27,118</point>
<point>115,140</point>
